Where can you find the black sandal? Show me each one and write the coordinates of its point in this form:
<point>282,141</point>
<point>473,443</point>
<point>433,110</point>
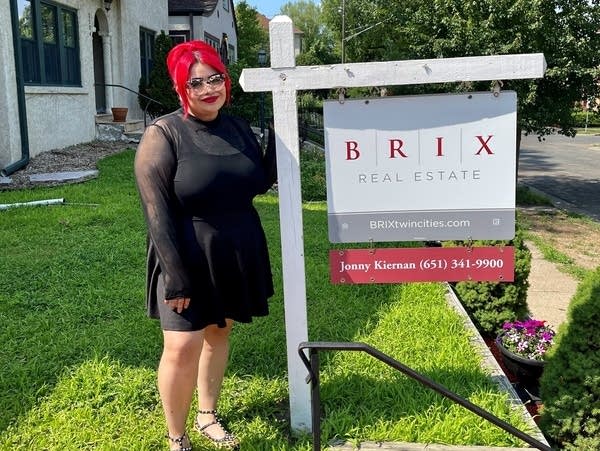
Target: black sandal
<point>228,441</point>
<point>179,441</point>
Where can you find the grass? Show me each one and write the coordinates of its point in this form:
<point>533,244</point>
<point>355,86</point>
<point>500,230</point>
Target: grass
<point>588,131</point>
<point>551,254</point>
<point>79,356</point>
<point>526,198</point>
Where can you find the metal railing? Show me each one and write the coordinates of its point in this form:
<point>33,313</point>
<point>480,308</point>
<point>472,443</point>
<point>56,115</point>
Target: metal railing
<point>312,364</point>
<point>136,93</point>
<point>310,124</point>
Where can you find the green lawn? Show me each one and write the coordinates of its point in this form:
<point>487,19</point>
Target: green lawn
<point>79,356</point>
<point>588,131</point>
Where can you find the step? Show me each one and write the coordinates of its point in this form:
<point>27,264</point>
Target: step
<point>130,130</point>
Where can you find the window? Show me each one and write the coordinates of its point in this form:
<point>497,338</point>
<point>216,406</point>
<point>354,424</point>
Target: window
<point>212,41</point>
<point>146,52</point>
<point>226,5</point>
<point>49,45</point>
<point>179,36</point>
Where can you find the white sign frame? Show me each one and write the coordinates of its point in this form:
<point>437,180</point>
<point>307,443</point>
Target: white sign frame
<point>284,79</point>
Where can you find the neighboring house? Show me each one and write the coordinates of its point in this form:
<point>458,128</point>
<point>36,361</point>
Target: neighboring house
<point>263,21</point>
<point>212,21</point>
<point>58,56</point>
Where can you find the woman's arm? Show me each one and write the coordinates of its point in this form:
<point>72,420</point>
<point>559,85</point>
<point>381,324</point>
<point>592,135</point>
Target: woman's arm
<point>155,166</point>
<point>270,157</point>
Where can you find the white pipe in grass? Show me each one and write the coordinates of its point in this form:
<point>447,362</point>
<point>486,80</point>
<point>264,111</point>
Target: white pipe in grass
<point>33,203</point>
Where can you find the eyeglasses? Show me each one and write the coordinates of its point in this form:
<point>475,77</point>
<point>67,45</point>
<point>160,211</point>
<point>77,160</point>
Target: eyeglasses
<point>214,81</point>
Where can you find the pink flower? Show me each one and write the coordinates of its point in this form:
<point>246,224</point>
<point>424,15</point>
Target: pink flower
<point>530,338</point>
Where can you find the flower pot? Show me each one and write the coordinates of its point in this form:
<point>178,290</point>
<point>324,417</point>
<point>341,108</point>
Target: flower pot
<point>119,114</point>
<point>528,371</point>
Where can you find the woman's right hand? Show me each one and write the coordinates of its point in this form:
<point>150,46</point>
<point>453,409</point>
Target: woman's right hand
<point>178,304</point>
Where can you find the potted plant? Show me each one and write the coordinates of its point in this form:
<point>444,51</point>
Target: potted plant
<point>523,345</point>
<point>119,114</point>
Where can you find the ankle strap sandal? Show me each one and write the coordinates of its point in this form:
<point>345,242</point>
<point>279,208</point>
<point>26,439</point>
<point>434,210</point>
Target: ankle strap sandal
<point>183,442</point>
<point>228,441</point>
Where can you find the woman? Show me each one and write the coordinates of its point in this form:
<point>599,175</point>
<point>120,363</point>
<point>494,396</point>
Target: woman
<point>197,172</point>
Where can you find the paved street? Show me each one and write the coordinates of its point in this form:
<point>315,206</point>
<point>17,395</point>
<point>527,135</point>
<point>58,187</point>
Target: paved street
<point>568,169</point>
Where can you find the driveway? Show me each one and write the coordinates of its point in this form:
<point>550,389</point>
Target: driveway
<point>567,169</point>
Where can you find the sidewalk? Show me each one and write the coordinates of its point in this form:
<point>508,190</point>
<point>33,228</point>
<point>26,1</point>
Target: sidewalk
<point>550,290</point>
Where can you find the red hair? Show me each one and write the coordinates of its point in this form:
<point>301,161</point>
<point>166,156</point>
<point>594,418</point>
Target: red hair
<point>180,60</point>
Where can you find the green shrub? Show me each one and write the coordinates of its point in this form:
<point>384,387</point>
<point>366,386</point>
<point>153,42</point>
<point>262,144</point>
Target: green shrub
<point>490,304</point>
<point>570,384</point>
<point>592,118</point>
<point>527,197</point>
<point>159,87</point>
<point>312,174</point>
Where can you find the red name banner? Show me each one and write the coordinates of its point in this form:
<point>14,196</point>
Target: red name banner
<point>423,264</point>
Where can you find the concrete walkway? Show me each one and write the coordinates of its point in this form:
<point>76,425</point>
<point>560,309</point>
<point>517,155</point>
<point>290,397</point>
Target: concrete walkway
<point>550,290</point>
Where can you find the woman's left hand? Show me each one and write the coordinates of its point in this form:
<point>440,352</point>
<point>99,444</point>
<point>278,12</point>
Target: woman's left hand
<point>178,304</point>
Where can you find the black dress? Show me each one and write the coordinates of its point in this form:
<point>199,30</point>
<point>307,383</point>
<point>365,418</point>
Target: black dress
<point>197,181</point>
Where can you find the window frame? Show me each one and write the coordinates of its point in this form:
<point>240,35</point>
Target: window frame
<point>146,61</point>
<point>213,41</point>
<point>51,64</point>
<point>179,36</point>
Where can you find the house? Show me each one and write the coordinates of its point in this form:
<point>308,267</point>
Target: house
<point>66,62</point>
<point>212,21</point>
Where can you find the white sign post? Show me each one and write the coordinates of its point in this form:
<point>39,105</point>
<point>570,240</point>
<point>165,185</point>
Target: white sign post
<point>284,79</point>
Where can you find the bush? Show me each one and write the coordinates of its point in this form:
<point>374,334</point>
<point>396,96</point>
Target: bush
<point>159,87</point>
<point>312,174</point>
<point>490,304</point>
<point>570,384</point>
<point>592,118</point>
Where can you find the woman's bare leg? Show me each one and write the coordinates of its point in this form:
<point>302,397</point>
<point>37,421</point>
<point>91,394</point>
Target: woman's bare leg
<point>177,375</point>
<point>211,370</point>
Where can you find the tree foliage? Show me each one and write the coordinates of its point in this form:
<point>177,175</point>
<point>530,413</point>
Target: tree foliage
<point>570,384</point>
<point>317,41</point>
<point>159,86</point>
<point>491,304</point>
<point>565,31</point>
<point>251,38</point>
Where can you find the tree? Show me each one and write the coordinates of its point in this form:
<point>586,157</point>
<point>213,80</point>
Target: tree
<point>317,41</point>
<point>251,38</point>
<point>566,31</point>
<point>159,85</point>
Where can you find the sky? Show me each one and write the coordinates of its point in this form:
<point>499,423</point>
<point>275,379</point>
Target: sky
<point>269,8</point>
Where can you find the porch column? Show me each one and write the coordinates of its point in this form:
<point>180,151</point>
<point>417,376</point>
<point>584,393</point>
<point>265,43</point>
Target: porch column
<point>108,78</point>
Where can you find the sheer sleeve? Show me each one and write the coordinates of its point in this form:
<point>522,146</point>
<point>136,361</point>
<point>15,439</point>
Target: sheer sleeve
<point>269,158</point>
<point>155,166</point>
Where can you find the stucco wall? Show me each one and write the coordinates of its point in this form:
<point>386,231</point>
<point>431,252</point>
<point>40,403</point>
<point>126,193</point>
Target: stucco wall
<point>150,14</point>
<point>10,136</point>
<point>61,116</point>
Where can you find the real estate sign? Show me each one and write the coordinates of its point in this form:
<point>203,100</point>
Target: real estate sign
<point>412,168</point>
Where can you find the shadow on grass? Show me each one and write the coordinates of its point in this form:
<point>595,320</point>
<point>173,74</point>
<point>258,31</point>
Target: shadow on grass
<point>335,312</point>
